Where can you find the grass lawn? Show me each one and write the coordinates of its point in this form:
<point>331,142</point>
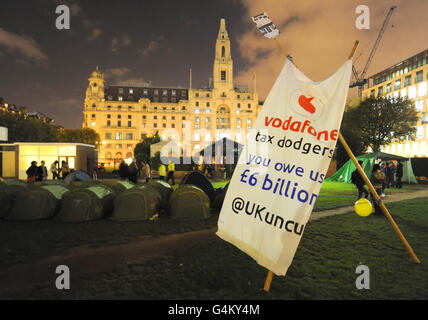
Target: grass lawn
<point>323,267</point>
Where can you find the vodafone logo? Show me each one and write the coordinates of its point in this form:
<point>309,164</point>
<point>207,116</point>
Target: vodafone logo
<point>306,105</point>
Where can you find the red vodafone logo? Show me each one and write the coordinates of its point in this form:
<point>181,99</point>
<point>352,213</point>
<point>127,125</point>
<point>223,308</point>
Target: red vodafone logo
<point>306,105</point>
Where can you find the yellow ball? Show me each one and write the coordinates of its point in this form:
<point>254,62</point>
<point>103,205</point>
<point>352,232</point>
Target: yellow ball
<point>363,207</point>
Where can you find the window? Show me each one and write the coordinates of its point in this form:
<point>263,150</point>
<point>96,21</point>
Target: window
<point>238,96</point>
<point>249,105</point>
<point>163,117</point>
<point>197,94</point>
<point>249,121</point>
<point>407,80</point>
<point>108,123</point>
<point>131,91</point>
<point>419,104</point>
<point>379,91</point>
<point>156,92</point>
<point>197,119</point>
<point>239,105</point>
<point>238,111</point>
<point>129,136</point>
<point>164,99</point>
<point>163,125</point>
<point>173,92</point>
<point>424,118</point>
<point>173,100</point>
<point>155,99</point>
<point>412,92</point>
<point>183,108</point>
<point>129,108</point>
<point>208,104</point>
<point>183,118</point>
<point>155,125</point>
<point>110,98</point>
<point>422,89</point>
<point>223,51</point>
<point>119,116</point>
<point>119,107</point>
<point>119,136</point>
<point>129,116</point>
<point>93,116</point>
<point>165,92</point>
<point>93,123</point>
<point>119,123</point>
<point>108,107</point>
<point>172,117</point>
<point>208,95</point>
<point>196,110</point>
<point>372,93</point>
<point>419,76</point>
<point>109,116</point>
<point>145,92</point>
<point>397,84</point>
<point>207,111</point>
<point>207,119</point>
<point>155,117</point>
<point>197,126</point>
<point>223,76</point>
<point>388,87</point>
<point>238,120</point>
<point>120,90</point>
<point>118,146</point>
<point>129,123</point>
<point>183,93</point>
<point>173,125</point>
<point>144,124</point>
<point>197,103</point>
<point>144,117</point>
<point>120,98</point>
<point>207,127</point>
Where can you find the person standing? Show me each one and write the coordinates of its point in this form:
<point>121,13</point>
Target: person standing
<point>42,172</point>
<point>171,171</point>
<point>378,180</point>
<point>65,170</point>
<point>399,175</point>
<point>133,171</point>
<point>358,180</point>
<point>55,170</point>
<point>148,172</point>
<point>32,172</point>
<point>162,172</point>
<point>123,170</point>
<point>393,170</point>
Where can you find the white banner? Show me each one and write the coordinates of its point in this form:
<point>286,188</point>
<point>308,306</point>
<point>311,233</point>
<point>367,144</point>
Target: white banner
<point>281,169</point>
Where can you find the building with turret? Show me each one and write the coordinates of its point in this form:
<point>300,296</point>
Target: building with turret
<point>194,117</point>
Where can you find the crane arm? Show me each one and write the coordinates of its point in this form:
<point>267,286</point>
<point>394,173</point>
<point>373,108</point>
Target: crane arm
<point>382,30</point>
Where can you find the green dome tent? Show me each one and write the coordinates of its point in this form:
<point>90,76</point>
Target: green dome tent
<point>9,190</point>
<point>37,202</point>
<point>120,186</point>
<point>139,203</point>
<point>345,172</point>
<point>85,204</point>
<point>84,184</point>
<point>164,189</point>
<point>49,182</point>
<point>189,202</point>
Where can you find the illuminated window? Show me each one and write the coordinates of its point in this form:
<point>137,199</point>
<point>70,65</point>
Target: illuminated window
<point>422,89</point>
<point>397,84</point>
<point>412,92</point>
<point>388,87</point>
<point>419,133</point>
<point>108,135</point>
<point>379,91</point>
<point>131,91</point>
<point>419,76</point>
<point>403,93</point>
<point>207,111</point>
<point>407,80</point>
<point>120,98</point>
<point>119,136</point>
<point>93,123</point>
<point>129,136</point>
<point>419,104</point>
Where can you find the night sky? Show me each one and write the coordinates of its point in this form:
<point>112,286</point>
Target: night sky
<point>46,69</point>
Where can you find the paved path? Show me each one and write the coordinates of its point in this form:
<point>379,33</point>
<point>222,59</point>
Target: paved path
<point>85,260</point>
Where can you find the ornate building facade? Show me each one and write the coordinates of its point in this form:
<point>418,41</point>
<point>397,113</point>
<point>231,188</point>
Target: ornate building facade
<point>194,117</point>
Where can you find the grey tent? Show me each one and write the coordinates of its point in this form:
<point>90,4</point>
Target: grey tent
<point>189,202</point>
<point>220,194</point>
<point>38,202</point>
<point>85,204</point>
<point>77,175</point>
<point>9,190</point>
<point>139,203</point>
<point>164,189</point>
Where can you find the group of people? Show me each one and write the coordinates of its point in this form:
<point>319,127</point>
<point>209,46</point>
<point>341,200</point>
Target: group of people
<point>171,172</point>
<point>132,172</point>
<point>379,179</point>
<point>40,173</point>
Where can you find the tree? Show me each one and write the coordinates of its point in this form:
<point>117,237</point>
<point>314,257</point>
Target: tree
<point>380,121</point>
<point>142,149</point>
<point>85,135</point>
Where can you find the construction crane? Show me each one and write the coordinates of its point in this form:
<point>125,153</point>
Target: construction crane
<point>360,79</point>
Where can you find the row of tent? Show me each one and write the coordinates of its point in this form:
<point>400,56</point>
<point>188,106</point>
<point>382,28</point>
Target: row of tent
<point>121,200</point>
